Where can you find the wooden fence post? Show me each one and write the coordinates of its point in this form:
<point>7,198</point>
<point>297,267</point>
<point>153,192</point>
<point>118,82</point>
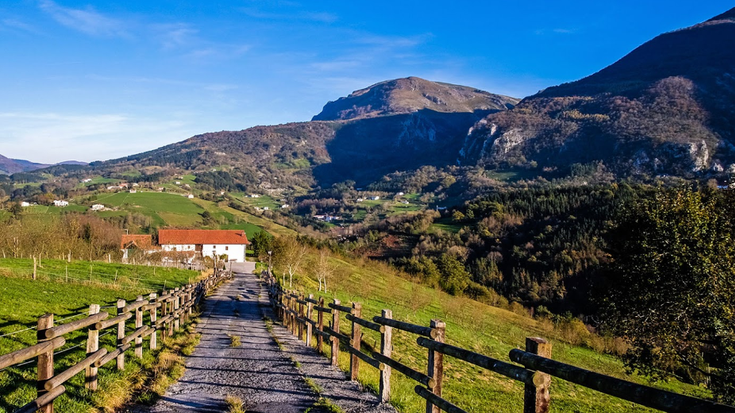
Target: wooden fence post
<point>309,310</point>
<point>320,327</point>
<point>45,360</point>
<point>139,324</point>
<point>120,335</point>
<point>355,341</point>
<point>436,365</point>
<point>153,317</point>
<point>537,399</point>
<point>301,316</point>
<point>386,349</point>
<point>34,267</point>
<point>93,344</point>
<point>335,327</point>
<point>163,314</point>
<point>170,323</point>
<point>177,303</point>
<point>294,322</point>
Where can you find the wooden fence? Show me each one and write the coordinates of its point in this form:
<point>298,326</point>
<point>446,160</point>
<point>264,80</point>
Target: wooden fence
<point>535,370</point>
<point>175,306</point>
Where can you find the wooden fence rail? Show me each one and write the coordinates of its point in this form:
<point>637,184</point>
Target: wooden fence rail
<point>535,367</point>
<point>176,306</point>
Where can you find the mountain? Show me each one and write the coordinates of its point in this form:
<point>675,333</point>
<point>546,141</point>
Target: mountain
<point>668,107</point>
<point>410,95</point>
<point>391,126</point>
<point>10,166</point>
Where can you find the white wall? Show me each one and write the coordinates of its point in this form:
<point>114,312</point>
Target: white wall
<point>234,251</point>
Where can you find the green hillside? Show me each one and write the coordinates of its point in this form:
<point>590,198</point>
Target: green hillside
<point>485,329</point>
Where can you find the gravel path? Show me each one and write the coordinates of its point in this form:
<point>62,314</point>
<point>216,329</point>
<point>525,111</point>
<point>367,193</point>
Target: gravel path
<point>257,371</point>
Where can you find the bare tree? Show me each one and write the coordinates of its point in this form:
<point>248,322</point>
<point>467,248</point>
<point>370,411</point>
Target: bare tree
<point>323,269</point>
<point>291,254</point>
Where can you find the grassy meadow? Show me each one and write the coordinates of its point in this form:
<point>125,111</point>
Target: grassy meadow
<point>475,326</point>
<point>25,299</point>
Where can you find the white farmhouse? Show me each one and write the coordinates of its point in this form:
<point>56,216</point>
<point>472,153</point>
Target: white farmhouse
<point>206,243</point>
<point>25,204</point>
<point>61,203</point>
<point>98,207</point>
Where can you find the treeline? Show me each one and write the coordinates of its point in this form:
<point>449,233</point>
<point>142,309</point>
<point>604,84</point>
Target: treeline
<point>77,235</point>
<point>537,246</point>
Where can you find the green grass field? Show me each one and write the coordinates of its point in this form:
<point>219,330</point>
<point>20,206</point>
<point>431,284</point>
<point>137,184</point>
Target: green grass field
<point>25,299</point>
<point>474,326</point>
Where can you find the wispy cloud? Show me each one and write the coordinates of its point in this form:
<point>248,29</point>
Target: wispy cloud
<point>17,25</point>
<point>319,17</point>
<point>87,20</point>
<point>175,35</point>
<point>559,30</point>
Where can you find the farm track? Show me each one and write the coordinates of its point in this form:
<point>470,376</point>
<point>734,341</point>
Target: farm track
<point>259,372</point>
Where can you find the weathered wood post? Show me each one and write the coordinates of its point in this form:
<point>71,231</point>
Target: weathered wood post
<point>34,267</point>
<point>93,344</point>
<point>386,349</point>
<point>355,341</point>
<point>294,322</point>
<point>139,324</point>
<point>436,365</point>
<point>299,301</point>
<point>335,328</point>
<point>164,332</point>
<point>177,303</point>
<point>120,335</point>
<point>45,360</point>
<point>320,327</point>
<point>536,399</point>
<point>153,317</point>
<point>309,327</point>
<point>189,297</point>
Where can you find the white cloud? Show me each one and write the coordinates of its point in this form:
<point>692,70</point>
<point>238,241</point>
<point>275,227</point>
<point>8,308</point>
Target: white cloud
<point>54,137</point>
<point>86,21</point>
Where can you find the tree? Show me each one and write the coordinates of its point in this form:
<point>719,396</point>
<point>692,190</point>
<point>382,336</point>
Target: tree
<point>671,288</point>
<point>454,276</point>
<point>323,269</point>
<point>262,243</point>
<point>290,254</point>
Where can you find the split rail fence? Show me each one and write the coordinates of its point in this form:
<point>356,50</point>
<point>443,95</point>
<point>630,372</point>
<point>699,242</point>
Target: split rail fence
<point>176,307</point>
<point>536,366</point>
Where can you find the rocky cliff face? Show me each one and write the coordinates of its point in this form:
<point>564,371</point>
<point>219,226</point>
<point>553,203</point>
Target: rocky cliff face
<point>667,107</point>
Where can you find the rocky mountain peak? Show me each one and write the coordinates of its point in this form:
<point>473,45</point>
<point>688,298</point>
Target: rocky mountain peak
<point>412,94</point>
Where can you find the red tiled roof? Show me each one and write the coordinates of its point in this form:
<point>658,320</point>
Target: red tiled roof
<point>142,242</point>
<point>201,236</point>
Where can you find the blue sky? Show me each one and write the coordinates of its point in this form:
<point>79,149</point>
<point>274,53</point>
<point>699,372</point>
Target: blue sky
<point>93,80</point>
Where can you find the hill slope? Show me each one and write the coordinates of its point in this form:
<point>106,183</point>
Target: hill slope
<point>667,107</point>
<point>391,126</point>
<point>10,166</point>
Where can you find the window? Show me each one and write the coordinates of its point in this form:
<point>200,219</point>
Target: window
<point>227,248</point>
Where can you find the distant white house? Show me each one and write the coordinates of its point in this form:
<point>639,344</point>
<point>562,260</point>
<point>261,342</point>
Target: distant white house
<point>178,182</point>
<point>133,191</point>
<point>25,204</point>
<point>265,208</point>
<point>375,198</point>
<point>254,196</point>
<point>360,199</point>
<point>86,180</point>
<point>113,188</point>
<point>98,207</point>
<point>205,242</point>
<point>400,194</point>
<point>284,206</point>
<point>190,196</point>
<point>61,203</point>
